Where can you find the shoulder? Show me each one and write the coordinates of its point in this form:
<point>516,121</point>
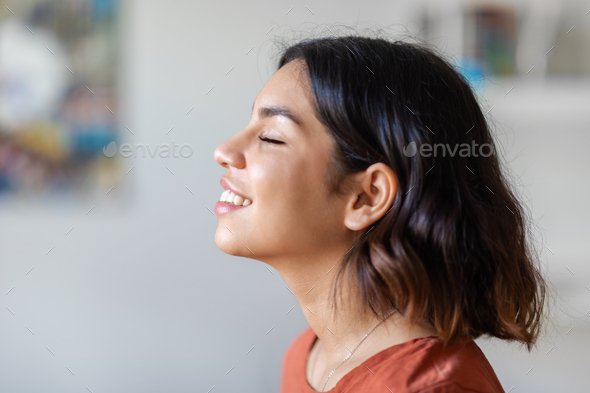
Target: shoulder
<point>425,365</point>
<point>450,387</point>
<point>462,367</point>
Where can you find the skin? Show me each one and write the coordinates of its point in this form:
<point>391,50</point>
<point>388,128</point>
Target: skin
<point>296,226</point>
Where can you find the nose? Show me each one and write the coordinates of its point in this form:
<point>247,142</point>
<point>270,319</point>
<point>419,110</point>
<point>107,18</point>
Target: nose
<point>230,153</point>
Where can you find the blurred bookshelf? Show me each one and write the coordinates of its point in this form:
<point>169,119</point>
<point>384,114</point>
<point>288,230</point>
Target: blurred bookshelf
<point>511,41</point>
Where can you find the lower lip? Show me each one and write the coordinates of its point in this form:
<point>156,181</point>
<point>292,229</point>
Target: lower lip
<point>222,207</point>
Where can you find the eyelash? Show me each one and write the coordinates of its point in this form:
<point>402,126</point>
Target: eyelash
<point>271,141</point>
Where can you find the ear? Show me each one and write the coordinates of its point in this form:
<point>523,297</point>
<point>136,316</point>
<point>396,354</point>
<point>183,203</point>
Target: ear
<point>372,197</point>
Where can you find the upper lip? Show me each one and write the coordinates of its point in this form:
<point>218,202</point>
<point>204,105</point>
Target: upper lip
<point>226,185</point>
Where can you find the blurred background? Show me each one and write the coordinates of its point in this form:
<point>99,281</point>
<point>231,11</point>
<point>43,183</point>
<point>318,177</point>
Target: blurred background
<point>109,274</point>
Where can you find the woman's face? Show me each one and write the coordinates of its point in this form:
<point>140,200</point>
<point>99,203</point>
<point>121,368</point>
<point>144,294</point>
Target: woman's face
<point>292,214</point>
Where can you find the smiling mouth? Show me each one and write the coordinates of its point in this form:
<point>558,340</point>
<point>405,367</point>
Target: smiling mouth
<point>229,197</point>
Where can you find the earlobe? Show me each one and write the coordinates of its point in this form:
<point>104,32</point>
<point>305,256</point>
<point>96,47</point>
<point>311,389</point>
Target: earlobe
<point>359,212</point>
<point>356,219</point>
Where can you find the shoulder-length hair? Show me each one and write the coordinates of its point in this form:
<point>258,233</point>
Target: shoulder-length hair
<point>453,250</point>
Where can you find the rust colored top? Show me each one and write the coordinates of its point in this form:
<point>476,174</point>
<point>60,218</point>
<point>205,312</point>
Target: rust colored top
<point>421,365</point>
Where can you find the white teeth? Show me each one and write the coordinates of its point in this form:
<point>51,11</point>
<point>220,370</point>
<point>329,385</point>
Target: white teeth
<point>229,197</point>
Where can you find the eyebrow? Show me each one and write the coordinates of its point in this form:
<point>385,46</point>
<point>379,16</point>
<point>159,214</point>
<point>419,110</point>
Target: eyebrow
<point>270,111</point>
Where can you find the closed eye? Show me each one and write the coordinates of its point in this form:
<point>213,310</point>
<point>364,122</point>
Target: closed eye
<point>271,141</point>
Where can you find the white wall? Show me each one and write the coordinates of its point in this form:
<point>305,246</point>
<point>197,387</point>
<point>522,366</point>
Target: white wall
<point>139,298</point>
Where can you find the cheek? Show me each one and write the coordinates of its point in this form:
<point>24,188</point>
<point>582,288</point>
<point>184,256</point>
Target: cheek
<point>293,207</point>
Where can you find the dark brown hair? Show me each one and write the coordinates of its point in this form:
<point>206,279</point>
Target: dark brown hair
<point>453,250</point>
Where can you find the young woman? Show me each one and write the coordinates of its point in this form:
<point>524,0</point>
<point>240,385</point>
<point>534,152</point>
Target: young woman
<point>368,178</point>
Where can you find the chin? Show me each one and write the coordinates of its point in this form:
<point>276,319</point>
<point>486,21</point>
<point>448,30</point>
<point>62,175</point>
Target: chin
<point>227,242</point>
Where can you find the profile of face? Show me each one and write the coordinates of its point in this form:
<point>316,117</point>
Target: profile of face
<point>279,162</point>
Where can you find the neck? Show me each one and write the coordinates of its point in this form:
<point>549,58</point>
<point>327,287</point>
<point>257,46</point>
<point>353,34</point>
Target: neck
<point>341,332</point>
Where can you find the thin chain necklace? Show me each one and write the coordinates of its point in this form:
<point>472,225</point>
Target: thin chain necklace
<point>350,354</point>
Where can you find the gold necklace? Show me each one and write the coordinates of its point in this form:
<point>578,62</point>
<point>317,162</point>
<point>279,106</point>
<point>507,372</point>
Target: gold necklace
<point>347,356</point>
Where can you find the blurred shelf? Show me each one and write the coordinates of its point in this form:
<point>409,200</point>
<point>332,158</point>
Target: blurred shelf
<point>561,95</point>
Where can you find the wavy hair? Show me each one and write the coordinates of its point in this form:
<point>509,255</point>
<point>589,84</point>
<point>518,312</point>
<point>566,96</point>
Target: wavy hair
<point>453,250</point>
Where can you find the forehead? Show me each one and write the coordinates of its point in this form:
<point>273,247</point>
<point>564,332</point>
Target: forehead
<point>288,87</point>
